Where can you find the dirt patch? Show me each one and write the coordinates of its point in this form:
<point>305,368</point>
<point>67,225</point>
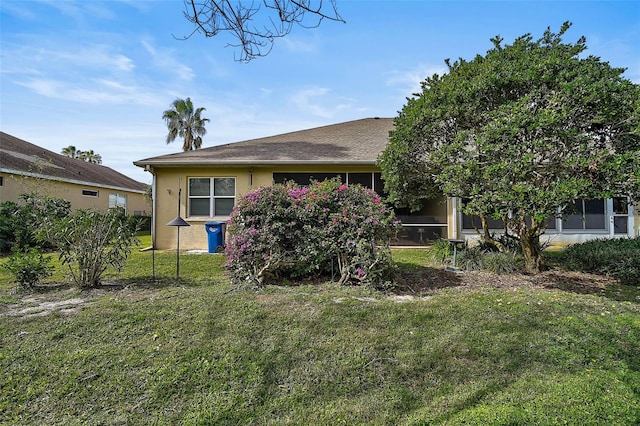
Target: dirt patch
<point>424,281</point>
<point>68,306</point>
<point>41,306</point>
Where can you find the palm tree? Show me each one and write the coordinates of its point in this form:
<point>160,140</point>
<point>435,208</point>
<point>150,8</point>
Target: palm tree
<point>182,120</point>
<point>90,157</point>
<point>70,152</point>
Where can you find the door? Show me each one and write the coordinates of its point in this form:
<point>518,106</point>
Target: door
<point>620,216</point>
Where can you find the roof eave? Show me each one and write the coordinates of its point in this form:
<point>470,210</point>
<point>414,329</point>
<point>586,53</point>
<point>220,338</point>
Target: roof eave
<point>72,181</point>
<point>242,163</point>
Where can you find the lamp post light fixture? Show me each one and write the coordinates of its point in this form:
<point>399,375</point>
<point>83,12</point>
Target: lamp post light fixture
<point>178,222</point>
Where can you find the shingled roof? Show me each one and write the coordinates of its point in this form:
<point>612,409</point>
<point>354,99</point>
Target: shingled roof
<point>353,142</point>
<point>21,157</point>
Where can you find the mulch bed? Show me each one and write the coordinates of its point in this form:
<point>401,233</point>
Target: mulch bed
<point>423,281</point>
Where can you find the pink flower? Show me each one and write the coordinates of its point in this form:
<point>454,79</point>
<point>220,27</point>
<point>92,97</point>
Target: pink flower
<point>376,200</point>
<point>342,187</point>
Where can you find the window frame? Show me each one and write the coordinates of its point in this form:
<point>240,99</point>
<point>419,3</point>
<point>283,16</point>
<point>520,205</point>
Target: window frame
<point>91,193</point>
<point>303,178</point>
<point>118,196</point>
<point>211,196</point>
<point>584,218</point>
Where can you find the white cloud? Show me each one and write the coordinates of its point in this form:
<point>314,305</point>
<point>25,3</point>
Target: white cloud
<point>165,60</point>
<point>297,45</point>
<point>307,100</point>
<point>48,88</point>
<point>94,55</point>
<point>123,63</point>
<point>98,91</point>
<point>44,58</point>
<point>408,81</point>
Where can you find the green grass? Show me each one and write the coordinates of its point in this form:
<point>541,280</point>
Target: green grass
<point>202,352</point>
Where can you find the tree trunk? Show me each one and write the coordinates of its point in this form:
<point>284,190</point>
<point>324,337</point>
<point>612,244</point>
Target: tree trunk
<point>343,267</point>
<point>533,258</point>
<point>486,236</point>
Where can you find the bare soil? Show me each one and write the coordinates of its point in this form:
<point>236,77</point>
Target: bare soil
<point>423,281</point>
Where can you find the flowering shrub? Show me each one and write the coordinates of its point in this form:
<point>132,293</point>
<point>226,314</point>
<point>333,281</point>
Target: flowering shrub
<point>325,227</point>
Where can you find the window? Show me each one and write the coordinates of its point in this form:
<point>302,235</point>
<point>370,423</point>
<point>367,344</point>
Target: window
<point>89,193</point>
<point>117,200</point>
<point>371,180</point>
<point>473,222</point>
<point>620,215</point>
<point>1,180</point>
<point>211,196</point>
<point>305,179</point>
<point>586,214</point>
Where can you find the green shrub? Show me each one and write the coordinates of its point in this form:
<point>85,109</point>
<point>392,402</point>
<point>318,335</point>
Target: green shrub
<point>503,263</point>
<point>90,241</point>
<point>7,226</point>
<point>440,252</point>
<point>21,222</point>
<point>471,259</point>
<point>28,267</point>
<point>619,258</point>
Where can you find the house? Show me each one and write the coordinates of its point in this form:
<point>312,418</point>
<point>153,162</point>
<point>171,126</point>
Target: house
<point>203,185</point>
<point>25,167</point>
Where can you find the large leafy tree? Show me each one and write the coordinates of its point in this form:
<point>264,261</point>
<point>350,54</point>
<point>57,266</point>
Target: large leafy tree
<point>185,121</point>
<point>519,134</point>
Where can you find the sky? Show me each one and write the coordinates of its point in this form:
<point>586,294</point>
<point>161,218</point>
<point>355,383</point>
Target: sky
<point>99,74</point>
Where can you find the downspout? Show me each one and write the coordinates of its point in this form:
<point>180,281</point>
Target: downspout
<point>149,169</point>
<point>454,220</point>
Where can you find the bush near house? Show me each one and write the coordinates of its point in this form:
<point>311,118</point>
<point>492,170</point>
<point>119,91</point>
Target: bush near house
<point>619,258</point>
<point>286,230</point>
<point>20,222</point>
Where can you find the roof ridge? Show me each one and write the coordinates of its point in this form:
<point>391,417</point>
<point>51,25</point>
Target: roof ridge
<point>24,156</point>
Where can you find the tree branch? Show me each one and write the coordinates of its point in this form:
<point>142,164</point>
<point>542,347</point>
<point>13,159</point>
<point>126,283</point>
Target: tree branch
<point>256,32</point>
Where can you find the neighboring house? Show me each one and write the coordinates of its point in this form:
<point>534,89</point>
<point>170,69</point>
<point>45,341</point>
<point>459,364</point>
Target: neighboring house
<point>208,182</point>
<point>25,167</point>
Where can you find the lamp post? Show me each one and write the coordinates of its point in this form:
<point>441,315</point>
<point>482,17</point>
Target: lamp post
<point>179,223</point>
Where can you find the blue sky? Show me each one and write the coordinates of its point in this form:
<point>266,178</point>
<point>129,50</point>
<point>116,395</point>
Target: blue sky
<point>99,74</point>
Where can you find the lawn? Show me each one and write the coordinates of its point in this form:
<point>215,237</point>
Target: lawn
<point>199,351</point>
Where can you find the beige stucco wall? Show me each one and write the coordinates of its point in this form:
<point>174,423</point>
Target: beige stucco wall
<point>14,185</point>
<point>169,180</point>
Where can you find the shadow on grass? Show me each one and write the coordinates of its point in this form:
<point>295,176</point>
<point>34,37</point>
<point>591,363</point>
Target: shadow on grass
<point>581,283</point>
<point>415,280</point>
<point>146,282</point>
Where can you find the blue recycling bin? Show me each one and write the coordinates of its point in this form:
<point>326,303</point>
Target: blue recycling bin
<point>215,231</point>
